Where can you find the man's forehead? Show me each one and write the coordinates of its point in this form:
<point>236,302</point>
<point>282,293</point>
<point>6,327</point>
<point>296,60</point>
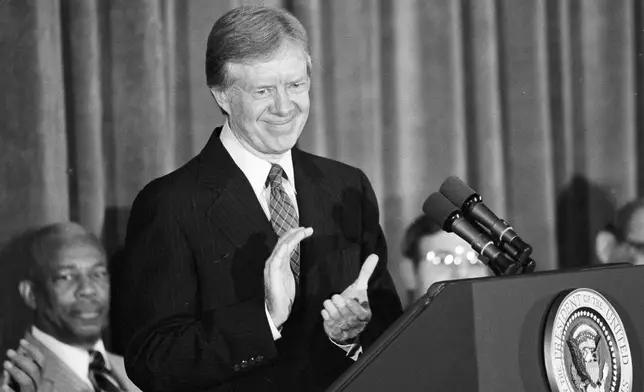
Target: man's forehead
<point>258,73</point>
<point>74,255</point>
<point>289,62</point>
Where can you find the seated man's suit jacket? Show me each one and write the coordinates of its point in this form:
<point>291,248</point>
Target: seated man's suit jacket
<point>57,376</point>
<point>191,291</point>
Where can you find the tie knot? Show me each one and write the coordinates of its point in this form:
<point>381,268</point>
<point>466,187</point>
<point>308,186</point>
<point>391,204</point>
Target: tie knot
<point>96,360</point>
<point>275,175</point>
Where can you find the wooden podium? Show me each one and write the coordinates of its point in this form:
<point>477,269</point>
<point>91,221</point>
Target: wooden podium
<point>488,334</point>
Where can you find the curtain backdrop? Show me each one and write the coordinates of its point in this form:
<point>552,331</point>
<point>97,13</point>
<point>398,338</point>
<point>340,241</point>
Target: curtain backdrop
<point>536,103</point>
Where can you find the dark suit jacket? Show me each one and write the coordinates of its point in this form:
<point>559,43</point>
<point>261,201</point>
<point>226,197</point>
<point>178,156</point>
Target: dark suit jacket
<point>192,295</point>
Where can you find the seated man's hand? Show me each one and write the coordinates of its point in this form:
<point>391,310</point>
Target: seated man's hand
<point>346,315</point>
<point>23,369</point>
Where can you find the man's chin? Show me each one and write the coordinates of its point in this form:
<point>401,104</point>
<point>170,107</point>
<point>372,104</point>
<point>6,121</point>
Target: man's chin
<point>89,327</point>
<point>87,336</point>
<point>279,147</point>
<point>88,330</point>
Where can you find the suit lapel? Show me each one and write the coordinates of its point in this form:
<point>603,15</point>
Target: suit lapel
<point>235,211</point>
<point>313,190</point>
<point>118,371</point>
<point>316,200</point>
<point>57,376</point>
<point>234,208</point>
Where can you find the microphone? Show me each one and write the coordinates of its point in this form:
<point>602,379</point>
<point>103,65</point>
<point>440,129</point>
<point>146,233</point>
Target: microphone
<point>472,205</point>
<point>449,217</point>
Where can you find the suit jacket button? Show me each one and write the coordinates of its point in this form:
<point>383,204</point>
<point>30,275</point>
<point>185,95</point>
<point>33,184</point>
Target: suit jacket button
<point>244,364</point>
<point>236,367</point>
<point>251,361</point>
<point>259,358</point>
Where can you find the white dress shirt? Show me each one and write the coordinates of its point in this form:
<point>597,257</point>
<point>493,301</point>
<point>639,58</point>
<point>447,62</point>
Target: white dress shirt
<point>78,359</point>
<point>256,171</point>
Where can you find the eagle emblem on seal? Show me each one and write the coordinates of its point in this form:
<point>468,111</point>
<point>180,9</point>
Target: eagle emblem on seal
<point>586,345</point>
<point>588,369</point>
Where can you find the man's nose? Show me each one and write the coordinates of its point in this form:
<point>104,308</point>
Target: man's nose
<point>86,286</point>
<point>282,103</point>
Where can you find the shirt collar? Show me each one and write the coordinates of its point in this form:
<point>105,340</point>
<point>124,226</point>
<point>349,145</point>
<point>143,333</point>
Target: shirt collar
<point>254,168</point>
<point>76,358</point>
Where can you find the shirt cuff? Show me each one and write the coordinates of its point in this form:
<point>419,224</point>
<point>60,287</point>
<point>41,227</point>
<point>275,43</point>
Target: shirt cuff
<point>353,350</point>
<point>276,332</point>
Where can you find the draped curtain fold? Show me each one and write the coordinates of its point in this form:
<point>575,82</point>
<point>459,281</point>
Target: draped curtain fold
<point>536,103</point>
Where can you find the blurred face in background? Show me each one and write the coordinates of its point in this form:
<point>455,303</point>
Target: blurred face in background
<point>634,238</point>
<point>623,244</point>
<point>445,256</point>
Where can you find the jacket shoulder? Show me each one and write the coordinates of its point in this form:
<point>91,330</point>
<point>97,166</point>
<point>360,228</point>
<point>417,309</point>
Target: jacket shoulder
<point>118,368</point>
<point>171,189</point>
<point>332,168</point>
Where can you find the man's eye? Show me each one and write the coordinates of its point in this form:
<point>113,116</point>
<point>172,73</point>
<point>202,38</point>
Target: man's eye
<point>298,86</point>
<point>261,93</point>
<point>101,274</point>
<point>63,278</point>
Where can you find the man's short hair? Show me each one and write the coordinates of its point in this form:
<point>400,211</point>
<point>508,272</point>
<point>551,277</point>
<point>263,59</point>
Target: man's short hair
<point>249,33</point>
<point>421,226</point>
<point>46,242</point>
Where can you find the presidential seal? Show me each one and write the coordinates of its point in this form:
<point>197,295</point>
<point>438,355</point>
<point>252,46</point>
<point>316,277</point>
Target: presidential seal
<point>585,345</point>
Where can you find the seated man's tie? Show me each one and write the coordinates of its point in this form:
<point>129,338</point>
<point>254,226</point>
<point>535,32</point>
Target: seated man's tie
<point>283,213</point>
<point>100,375</point>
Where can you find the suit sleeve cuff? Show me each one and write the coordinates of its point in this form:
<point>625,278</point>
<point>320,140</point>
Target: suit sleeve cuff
<point>276,333</point>
<point>353,350</point>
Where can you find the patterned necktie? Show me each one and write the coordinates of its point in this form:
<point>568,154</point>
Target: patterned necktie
<point>100,375</point>
<point>283,213</point>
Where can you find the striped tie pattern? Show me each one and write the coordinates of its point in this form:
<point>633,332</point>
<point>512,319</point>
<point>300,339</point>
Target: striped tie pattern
<point>100,375</point>
<point>283,213</point>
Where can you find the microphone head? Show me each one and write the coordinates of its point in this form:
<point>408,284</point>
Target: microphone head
<point>440,210</point>
<point>457,191</point>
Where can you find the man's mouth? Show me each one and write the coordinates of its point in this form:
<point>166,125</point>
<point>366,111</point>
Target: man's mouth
<point>88,315</point>
<point>281,123</point>
<point>88,312</point>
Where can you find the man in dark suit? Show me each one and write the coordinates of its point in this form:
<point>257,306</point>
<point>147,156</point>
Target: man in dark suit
<point>256,266</point>
<point>68,288</point>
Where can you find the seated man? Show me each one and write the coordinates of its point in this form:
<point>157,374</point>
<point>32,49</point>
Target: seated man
<point>432,255</point>
<point>69,290</point>
<point>622,240</point>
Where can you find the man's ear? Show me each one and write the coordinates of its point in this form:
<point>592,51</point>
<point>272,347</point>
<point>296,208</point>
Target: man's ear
<point>222,98</point>
<point>605,243</point>
<point>27,292</point>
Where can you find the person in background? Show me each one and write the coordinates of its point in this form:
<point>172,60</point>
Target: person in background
<point>256,266</point>
<point>622,240</point>
<point>432,255</point>
<point>68,289</point>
